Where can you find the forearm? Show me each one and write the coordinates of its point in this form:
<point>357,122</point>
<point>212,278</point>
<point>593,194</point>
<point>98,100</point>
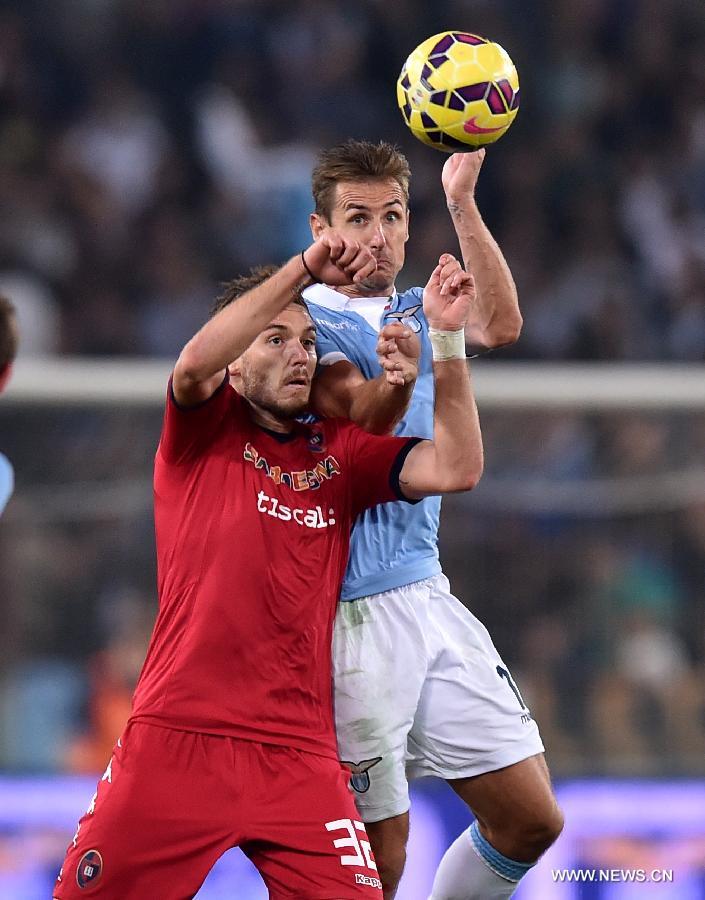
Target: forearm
<point>229,333</point>
<point>378,406</point>
<point>499,319</point>
<point>457,439</point>
<point>453,460</point>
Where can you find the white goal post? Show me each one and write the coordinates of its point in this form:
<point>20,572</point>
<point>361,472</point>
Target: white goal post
<point>513,387</point>
<point>499,385</point>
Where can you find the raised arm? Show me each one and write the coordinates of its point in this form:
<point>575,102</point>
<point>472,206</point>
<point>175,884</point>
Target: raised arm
<point>453,460</point>
<point>376,404</point>
<point>495,319</point>
<point>201,366</point>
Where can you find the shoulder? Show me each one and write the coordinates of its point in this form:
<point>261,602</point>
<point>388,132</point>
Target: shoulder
<point>412,293</point>
<point>337,321</point>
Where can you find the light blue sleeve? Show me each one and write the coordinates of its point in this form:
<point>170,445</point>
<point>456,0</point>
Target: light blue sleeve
<point>328,342</point>
<point>7,481</point>
<point>331,346</point>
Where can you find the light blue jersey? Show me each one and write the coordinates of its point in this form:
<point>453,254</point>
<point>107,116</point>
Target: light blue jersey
<point>7,481</point>
<point>395,543</point>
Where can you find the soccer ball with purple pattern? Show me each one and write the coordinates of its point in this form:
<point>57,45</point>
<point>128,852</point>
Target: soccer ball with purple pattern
<point>458,91</point>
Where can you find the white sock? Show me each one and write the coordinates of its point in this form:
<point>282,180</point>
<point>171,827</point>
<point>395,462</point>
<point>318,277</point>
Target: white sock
<point>468,870</point>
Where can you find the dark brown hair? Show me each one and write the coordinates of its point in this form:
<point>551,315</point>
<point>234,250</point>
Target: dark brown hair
<point>356,161</point>
<point>8,332</point>
<point>244,283</point>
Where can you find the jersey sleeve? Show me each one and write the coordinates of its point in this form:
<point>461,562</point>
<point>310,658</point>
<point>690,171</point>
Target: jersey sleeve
<point>376,462</point>
<point>329,349</point>
<point>188,430</point>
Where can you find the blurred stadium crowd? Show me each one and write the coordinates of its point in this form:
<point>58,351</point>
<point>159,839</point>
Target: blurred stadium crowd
<point>152,150</point>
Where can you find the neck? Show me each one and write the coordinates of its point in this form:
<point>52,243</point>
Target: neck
<point>269,420</point>
<point>359,292</point>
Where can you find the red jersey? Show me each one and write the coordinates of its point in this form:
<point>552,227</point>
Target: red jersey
<point>252,536</point>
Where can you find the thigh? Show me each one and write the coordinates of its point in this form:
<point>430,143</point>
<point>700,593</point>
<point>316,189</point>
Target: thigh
<point>150,829</point>
<point>306,838</point>
<point>471,716</point>
<point>379,663</point>
<point>509,794</point>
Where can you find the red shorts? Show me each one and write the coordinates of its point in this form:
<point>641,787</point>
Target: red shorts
<point>172,802</point>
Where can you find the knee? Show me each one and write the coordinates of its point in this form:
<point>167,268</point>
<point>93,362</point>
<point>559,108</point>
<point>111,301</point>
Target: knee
<point>525,835</point>
<point>538,832</point>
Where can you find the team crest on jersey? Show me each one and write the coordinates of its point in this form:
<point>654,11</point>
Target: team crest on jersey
<point>90,868</point>
<point>407,317</point>
<point>317,440</point>
<point>360,773</point>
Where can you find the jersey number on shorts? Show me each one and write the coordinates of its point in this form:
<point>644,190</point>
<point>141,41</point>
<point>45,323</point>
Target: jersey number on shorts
<point>503,673</point>
<point>362,852</point>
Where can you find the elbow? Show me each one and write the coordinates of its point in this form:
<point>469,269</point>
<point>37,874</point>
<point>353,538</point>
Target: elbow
<point>466,477</point>
<point>189,366</point>
<point>507,333</point>
<point>471,480</point>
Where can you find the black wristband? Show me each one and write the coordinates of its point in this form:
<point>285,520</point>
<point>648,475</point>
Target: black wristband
<point>308,271</point>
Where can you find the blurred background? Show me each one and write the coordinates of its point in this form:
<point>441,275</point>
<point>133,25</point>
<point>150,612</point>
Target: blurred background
<point>151,150</point>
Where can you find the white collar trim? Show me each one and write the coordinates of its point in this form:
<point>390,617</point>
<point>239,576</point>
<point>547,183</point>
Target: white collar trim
<point>325,296</point>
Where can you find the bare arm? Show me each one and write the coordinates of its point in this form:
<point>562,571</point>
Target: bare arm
<point>201,366</point>
<point>453,460</point>
<point>496,319</point>
<point>373,404</point>
<point>376,404</point>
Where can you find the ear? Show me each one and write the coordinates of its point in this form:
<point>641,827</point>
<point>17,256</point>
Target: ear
<point>318,225</point>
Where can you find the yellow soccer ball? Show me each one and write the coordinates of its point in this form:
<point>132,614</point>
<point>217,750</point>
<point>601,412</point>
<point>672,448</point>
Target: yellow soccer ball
<point>458,91</point>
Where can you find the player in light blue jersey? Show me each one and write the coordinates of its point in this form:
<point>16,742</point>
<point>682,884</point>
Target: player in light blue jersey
<point>420,688</point>
<point>8,351</point>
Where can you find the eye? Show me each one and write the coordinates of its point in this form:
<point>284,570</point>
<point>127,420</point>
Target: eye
<point>309,343</point>
<point>358,219</point>
<point>393,217</point>
<point>275,339</point>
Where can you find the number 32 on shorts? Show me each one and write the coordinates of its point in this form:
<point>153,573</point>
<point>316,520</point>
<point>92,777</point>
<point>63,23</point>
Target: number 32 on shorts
<point>361,851</point>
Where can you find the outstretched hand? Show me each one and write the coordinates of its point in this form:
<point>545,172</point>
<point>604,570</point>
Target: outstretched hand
<point>337,260</point>
<point>459,177</point>
<point>398,351</point>
<point>449,296</point>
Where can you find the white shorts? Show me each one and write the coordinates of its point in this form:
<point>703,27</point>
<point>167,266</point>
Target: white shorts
<point>421,690</point>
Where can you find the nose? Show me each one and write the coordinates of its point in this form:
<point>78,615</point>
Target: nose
<point>378,240</point>
<point>298,354</point>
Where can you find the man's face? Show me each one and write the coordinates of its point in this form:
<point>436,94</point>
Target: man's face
<point>275,371</point>
<point>375,214</point>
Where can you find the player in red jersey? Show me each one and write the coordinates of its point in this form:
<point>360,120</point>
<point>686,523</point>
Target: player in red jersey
<point>231,739</point>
